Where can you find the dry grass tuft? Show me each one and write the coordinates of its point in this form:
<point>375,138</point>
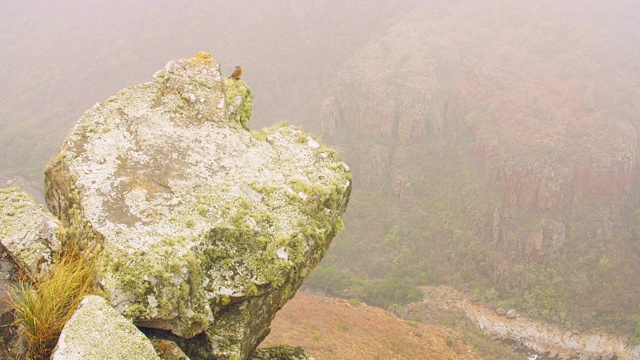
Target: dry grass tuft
<point>42,309</point>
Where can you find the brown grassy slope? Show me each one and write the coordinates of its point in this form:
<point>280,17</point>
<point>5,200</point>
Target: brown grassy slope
<point>329,328</point>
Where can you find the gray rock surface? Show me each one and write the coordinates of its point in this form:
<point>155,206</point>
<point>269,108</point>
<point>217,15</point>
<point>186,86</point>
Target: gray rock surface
<point>206,228</point>
<point>28,232</point>
<point>97,331</point>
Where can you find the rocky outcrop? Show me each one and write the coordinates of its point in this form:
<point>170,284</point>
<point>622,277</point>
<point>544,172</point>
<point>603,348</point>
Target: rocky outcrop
<point>541,174</point>
<point>97,331</point>
<point>539,155</point>
<point>29,233</point>
<point>546,239</point>
<point>383,114</point>
<point>205,229</point>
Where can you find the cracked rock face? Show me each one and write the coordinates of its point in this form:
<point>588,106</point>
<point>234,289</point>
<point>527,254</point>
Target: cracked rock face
<point>205,228</point>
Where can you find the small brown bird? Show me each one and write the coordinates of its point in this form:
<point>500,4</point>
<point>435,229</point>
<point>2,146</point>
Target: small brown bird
<point>236,73</point>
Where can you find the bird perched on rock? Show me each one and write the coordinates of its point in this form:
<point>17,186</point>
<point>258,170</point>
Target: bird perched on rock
<point>236,73</point>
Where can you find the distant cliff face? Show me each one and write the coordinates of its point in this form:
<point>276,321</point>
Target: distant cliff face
<point>532,157</point>
<point>401,90</point>
<point>205,228</point>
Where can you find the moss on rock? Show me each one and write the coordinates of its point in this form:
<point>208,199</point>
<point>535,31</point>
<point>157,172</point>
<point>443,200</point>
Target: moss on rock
<point>239,100</point>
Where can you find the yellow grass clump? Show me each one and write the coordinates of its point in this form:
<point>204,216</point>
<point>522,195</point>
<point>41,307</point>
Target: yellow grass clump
<point>43,308</point>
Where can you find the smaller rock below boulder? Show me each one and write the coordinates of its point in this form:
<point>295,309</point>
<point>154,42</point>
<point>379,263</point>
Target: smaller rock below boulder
<point>28,232</point>
<point>97,331</point>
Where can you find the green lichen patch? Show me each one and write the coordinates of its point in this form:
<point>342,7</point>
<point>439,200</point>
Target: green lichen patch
<point>239,100</point>
<point>157,284</point>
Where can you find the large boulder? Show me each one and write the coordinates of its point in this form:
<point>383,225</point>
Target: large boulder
<point>205,228</point>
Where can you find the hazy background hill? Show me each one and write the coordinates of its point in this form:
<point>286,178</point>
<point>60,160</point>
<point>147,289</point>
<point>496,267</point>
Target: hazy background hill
<point>494,154</point>
<point>494,144</point>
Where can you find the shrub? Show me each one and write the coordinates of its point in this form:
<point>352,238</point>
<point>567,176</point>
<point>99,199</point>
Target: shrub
<point>390,291</point>
<point>491,294</point>
<point>635,337</point>
<point>329,279</point>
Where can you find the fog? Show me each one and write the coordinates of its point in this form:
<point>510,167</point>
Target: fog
<point>60,57</point>
<point>494,144</point>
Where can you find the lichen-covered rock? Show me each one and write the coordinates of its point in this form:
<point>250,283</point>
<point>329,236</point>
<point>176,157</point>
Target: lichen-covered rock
<point>97,331</point>
<point>201,222</point>
<point>28,232</point>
